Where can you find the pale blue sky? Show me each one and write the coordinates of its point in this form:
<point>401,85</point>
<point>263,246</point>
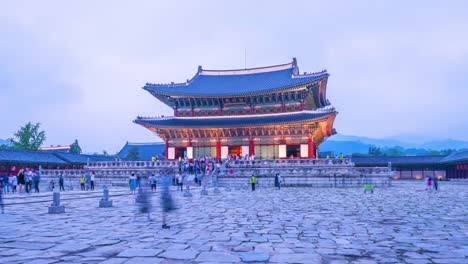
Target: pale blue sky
<point>397,67</point>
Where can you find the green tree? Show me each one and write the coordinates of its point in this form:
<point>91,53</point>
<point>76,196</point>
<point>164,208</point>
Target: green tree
<point>395,151</point>
<point>132,154</point>
<point>375,151</point>
<point>28,137</point>
<point>105,153</point>
<point>4,146</point>
<point>75,147</point>
<point>433,152</point>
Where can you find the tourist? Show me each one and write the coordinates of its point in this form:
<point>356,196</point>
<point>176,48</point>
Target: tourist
<point>28,180</point>
<point>276,180</point>
<point>14,183</point>
<point>82,182</point>
<point>21,180</point>
<point>61,183</point>
<point>280,181</point>
<point>1,197</point>
<point>153,182</point>
<point>51,185</point>
<point>144,201</point>
<point>435,181</point>
<point>93,177</point>
<point>429,183</point>
<point>133,183</point>
<point>153,159</point>
<point>6,183</point>
<point>180,182</point>
<point>36,180</point>
<point>88,181</point>
<point>253,181</point>
<point>166,199</point>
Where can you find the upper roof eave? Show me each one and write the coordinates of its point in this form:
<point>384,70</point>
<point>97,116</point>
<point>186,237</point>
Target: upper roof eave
<point>253,93</point>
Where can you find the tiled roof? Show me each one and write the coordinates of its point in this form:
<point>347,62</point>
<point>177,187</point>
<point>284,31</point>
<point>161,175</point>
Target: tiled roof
<point>30,157</point>
<point>81,158</point>
<point>238,82</point>
<point>396,160</point>
<point>232,121</point>
<point>461,156</point>
<point>145,150</point>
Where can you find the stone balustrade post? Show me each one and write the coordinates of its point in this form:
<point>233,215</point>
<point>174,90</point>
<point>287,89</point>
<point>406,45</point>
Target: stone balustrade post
<point>55,207</point>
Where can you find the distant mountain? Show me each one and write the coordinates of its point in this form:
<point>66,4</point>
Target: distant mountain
<point>345,147</point>
<point>411,144</point>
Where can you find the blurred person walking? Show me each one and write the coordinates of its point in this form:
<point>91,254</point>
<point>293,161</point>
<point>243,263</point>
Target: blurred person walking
<point>167,203</point>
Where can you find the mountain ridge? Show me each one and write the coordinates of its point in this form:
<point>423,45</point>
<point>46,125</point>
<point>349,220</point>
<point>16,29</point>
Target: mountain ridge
<point>413,144</point>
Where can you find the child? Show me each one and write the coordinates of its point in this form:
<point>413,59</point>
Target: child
<point>429,183</point>
<point>51,185</point>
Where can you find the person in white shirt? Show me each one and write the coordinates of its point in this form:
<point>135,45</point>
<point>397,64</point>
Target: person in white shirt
<point>92,180</point>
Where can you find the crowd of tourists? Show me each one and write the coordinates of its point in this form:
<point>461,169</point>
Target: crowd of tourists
<point>25,181</point>
<point>87,181</point>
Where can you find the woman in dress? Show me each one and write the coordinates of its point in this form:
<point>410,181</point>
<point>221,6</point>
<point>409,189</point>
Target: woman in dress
<point>21,180</point>
<point>133,183</point>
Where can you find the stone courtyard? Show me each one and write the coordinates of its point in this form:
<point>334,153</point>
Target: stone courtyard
<point>401,224</point>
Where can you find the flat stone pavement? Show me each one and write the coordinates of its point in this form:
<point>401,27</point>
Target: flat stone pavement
<point>401,224</point>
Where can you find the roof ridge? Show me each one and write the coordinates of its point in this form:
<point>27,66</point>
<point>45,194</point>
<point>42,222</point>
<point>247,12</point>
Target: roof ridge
<point>144,143</point>
<point>262,69</point>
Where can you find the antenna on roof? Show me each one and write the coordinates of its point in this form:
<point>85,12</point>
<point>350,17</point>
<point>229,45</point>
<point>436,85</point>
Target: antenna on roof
<point>245,58</point>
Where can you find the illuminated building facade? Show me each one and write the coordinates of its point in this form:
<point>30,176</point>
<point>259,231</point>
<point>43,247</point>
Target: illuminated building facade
<point>270,112</point>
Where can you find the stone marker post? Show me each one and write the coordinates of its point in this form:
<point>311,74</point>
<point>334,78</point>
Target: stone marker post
<point>105,202</point>
<point>55,207</point>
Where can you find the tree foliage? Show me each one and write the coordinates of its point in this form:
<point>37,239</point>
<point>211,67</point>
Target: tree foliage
<point>75,147</point>
<point>28,137</point>
<point>132,154</point>
<point>375,151</point>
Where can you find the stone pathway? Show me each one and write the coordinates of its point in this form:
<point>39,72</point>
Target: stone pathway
<point>402,224</point>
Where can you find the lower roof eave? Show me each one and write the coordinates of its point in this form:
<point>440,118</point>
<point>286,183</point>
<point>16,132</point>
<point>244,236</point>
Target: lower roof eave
<point>236,122</point>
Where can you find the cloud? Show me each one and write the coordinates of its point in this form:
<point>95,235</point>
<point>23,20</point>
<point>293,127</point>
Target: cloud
<point>78,67</point>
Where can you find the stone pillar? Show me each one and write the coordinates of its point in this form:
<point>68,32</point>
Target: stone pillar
<point>105,202</point>
<point>312,148</point>
<point>55,207</point>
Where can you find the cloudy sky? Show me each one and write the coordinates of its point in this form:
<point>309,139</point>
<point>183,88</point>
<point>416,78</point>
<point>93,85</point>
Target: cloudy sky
<point>77,67</point>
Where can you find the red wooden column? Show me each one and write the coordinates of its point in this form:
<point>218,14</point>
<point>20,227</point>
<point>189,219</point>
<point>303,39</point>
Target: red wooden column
<point>218,148</point>
<point>167,148</point>
<point>312,148</point>
<point>251,147</point>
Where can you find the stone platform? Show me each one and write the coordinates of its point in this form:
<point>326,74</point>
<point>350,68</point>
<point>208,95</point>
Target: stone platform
<point>307,172</point>
<point>401,224</point>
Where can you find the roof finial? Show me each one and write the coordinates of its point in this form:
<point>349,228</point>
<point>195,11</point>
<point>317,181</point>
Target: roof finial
<point>200,69</point>
<point>294,62</point>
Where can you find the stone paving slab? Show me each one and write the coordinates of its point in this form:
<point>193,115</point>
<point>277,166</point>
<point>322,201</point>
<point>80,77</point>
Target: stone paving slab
<point>401,224</point>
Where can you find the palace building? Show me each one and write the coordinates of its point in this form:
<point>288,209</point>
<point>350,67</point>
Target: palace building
<point>271,112</point>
